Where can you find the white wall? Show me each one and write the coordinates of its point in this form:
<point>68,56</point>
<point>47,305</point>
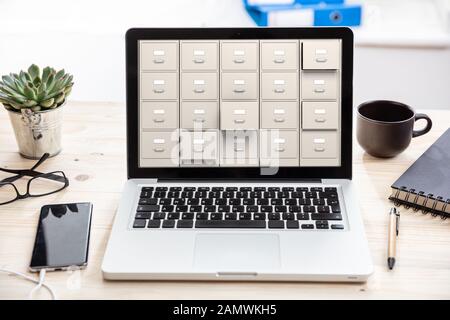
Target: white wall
<point>87,38</point>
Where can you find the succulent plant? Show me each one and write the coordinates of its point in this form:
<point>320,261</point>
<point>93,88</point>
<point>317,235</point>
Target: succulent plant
<point>35,90</point>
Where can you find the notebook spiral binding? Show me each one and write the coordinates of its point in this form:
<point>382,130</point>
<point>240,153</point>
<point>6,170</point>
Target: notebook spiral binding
<point>416,207</point>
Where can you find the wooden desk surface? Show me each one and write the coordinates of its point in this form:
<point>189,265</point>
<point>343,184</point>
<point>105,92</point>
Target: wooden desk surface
<point>94,160</point>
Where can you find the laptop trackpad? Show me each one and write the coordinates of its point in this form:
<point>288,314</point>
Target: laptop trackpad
<point>237,252</point>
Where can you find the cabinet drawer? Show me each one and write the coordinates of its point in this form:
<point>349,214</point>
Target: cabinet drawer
<point>242,144</point>
<point>159,115</point>
<point>239,86</point>
<point>320,115</point>
<point>278,55</point>
<point>278,86</point>
<point>321,54</point>
<point>199,55</point>
<point>199,115</point>
<point>279,114</point>
<point>159,86</point>
<point>319,144</point>
<point>198,86</point>
<point>199,148</point>
<point>160,145</point>
<point>159,55</point>
<point>239,55</point>
<point>279,144</point>
<point>319,85</point>
<point>239,115</point>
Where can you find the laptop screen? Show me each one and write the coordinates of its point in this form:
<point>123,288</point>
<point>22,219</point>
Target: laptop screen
<point>240,103</point>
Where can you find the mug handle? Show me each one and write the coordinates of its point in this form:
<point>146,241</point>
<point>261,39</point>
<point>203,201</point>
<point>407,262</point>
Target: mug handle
<point>418,133</point>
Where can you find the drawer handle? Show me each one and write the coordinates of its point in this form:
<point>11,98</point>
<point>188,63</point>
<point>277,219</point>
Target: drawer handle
<point>158,90</point>
<point>319,149</point>
<point>199,90</point>
<point>199,60</point>
<point>239,90</point>
<point>158,149</point>
<point>280,149</point>
<point>237,60</point>
<point>319,90</point>
<point>158,120</point>
<point>158,60</point>
<point>278,119</point>
<point>199,120</point>
<point>320,120</point>
<point>239,120</point>
<point>238,149</point>
<point>279,90</point>
<point>279,60</point>
<point>321,59</point>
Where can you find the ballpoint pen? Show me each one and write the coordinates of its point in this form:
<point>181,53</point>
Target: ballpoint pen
<point>394,219</point>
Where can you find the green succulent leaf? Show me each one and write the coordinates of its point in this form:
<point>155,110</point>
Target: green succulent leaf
<point>47,103</point>
<point>60,74</point>
<point>45,74</point>
<point>34,71</point>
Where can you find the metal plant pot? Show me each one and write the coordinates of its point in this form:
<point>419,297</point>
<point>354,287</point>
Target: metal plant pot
<point>37,132</point>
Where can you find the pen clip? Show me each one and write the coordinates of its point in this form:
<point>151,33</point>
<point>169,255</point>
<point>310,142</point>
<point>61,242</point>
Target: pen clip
<point>397,219</point>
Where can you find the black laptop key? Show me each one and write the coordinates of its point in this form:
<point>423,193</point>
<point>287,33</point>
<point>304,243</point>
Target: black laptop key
<point>287,189</point>
<point>169,208</point>
<point>295,209</point>
<point>292,224</point>
<point>245,216</point>
<point>316,189</point>
<point>290,202</point>
<point>322,226</point>
<point>302,216</point>
<point>207,202</point>
<point>195,208</point>
<point>236,224</point>
<point>309,209</point>
<point>217,188</point>
<point>175,188</point>
<point>209,209</point>
<point>273,189</point>
<point>201,216</point>
<point>245,189</point>
<point>160,194</point>
<point>266,209</point>
<point>189,189</point>
<point>310,195</point>
<point>276,224</point>
<point>187,194</point>
<point>147,188</point>
<point>159,215</point>
<point>151,208</point>
<point>216,216</point>
<point>154,223</point>
<point>238,209</point>
<point>249,202</point>
<point>187,216</point>
<point>304,202</point>
<point>288,216</point>
<point>139,223</point>
<point>193,201</point>
<point>146,194</point>
<point>181,208</point>
<point>252,208</point>
<point>220,202</point>
<point>165,201</point>
<point>173,216</point>
<point>230,216</point>
<point>319,202</point>
<point>214,194</point>
<point>255,194</point>
<point>302,189</point>
<point>259,189</point>
<point>276,202</point>
<point>332,202</point>
<point>151,201</point>
<point>241,194</point>
<point>335,209</point>
<point>223,208</point>
<point>228,194</point>
<point>162,188</point>
<point>262,202</point>
<point>179,201</point>
<point>274,216</point>
<point>235,202</point>
<point>168,224</point>
<point>283,195</point>
<point>203,188</point>
<point>297,195</point>
<point>307,226</point>
<point>326,216</point>
<point>231,189</point>
<point>337,226</point>
<point>173,194</point>
<point>323,209</point>
<point>269,194</point>
<point>143,215</point>
<point>259,216</point>
<point>200,194</point>
<point>185,223</point>
<point>280,209</point>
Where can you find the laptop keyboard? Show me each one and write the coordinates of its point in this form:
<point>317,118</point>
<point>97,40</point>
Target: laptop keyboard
<point>239,207</point>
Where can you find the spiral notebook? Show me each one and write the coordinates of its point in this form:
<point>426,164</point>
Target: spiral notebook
<point>425,185</point>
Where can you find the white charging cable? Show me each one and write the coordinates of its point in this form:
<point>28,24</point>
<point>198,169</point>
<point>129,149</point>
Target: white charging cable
<point>40,282</point>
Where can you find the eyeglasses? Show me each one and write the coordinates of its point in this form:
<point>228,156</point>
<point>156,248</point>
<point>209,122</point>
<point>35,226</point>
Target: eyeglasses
<point>40,184</point>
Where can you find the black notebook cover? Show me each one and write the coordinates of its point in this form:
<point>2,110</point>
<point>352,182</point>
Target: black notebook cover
<point>430,174</point>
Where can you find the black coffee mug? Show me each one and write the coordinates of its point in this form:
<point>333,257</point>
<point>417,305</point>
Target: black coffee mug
<point>385,128</point>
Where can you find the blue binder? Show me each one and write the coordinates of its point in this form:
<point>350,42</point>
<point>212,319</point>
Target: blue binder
<point>254,3</point>
<point>321,15</point>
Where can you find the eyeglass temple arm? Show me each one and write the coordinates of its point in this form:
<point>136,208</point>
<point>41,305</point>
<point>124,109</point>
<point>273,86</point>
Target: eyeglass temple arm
<point>20,172</point>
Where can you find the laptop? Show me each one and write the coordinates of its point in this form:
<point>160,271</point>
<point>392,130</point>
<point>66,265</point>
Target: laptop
<point>239,158</point>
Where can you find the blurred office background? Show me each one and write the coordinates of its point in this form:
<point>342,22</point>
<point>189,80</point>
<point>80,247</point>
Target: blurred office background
<point>402,48</point>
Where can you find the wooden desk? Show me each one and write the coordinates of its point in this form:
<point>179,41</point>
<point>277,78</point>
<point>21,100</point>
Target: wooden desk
<point>94,160</point>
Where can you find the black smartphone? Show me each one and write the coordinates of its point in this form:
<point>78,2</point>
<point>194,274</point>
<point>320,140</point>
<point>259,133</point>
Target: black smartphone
<point>62,237</point>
